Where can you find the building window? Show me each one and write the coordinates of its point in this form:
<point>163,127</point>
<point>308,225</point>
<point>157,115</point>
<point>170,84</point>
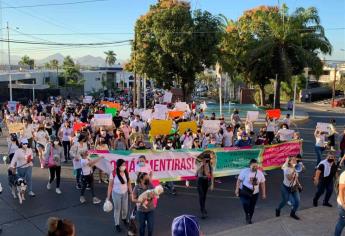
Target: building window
<point>47,80</point>
<point>98,79</point>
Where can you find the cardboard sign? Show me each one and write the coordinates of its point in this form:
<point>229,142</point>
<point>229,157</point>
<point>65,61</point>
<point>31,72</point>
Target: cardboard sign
<point>324,127</point>
<point>274,113</point>
<point>252,116</point>
<point>175,114</point>
<point>146,115</point>
<point>87,100</point>
<point>184,126</point>
<point>77,126</point>
<point>181,106</point>
<point>167,97</point>
<point>111,105</point>
<point>103,120</point>
<point>111,111</point>
<point>286,134</point>
<point>12,106</point>
<point>160,112</point>
<point>15,128</point>
<point>160,127</point>
<point>211,126</point>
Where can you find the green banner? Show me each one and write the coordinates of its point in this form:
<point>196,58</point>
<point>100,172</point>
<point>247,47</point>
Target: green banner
<point>235,159</point>
<point>111,111</point>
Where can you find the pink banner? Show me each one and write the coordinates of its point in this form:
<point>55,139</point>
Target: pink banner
<point>274,156</point>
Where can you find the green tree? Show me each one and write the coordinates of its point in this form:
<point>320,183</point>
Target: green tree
<point>47,65</point>
<point>172,44</point>
<point>54,64</point>
<point>27,61</point>
<point>71,72</point>
<point>110,57</point>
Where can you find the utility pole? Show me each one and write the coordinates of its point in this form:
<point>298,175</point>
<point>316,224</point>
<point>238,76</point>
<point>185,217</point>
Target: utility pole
<point>134,69</point>
<point>145,78</point>
<point>294,99</point>
<point>334,82</point>
<point>33,91</point>
<point>219,76</point>
<point>9,61</point>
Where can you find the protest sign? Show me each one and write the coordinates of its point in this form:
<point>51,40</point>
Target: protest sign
<point>175,114</point>
<point>286,134</point>
<point>323,127</point>
<point>15,127</point>
<point>111,111</point>
<point>211,126</point>
<point>87,100</point>
<point>103,120</point>
<point>274,113</point>
<point>252,116</point>
<point>111,105</point>
<point>183,126</point>
<point>181,106</point>
<point>181,164</point>
<point>160,127</point>
<point>160,112</point>
<point>146,115</point>
<point>77,126</point>
<point>12,106</point>
<point>167,97</point>
<point>274,156</point>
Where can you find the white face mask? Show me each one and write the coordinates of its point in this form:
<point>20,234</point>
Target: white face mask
<point>122,168</point>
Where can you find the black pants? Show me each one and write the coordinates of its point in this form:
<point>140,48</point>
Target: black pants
<point>50,131</point>
<point>66,147</point>
<point>55,171</point>
<point>87,181</point>
<point>249,203</point>
<point>321,187</point>
<point>270,136</point>
<point>203,184</point>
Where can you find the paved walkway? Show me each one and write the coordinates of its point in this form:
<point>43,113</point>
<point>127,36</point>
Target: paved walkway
<point>317,221</point>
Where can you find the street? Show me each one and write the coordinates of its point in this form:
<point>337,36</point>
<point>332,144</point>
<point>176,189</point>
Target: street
<point>224,209</point>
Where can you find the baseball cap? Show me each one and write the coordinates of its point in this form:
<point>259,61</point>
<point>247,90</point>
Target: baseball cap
<point>24,141</point>
<point>185,225</point>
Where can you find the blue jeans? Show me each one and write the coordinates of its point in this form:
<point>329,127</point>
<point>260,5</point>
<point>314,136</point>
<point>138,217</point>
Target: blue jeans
<point>341,221</point>
<point>145,218</point>
<point>78,176</point>
<point>319,150</point>
<point>286,196</point>
<point>26,173</point>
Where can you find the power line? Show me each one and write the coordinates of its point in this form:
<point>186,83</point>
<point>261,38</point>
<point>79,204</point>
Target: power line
<point>54,4</point>
<point>63,44</point>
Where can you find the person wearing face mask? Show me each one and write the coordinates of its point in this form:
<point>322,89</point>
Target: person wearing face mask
<point>119,187</point>
<point>53,155</point>
<point>22,161</point>
<point>248,186</point>
<point>65,134</point>
<point>290,188</point>
<point>145,214</point>
<point>75,152</point>
<point>228,137</point>
<point>284,134</point>
<point>187,139</point>
<point>137,123</point>
<point>143,166</point>
<point>245,141</point>
<point>323,179</point>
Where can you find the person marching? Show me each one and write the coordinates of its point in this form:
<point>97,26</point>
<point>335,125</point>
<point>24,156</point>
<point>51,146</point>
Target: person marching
<point>323,179</point>
<point>119,187</point>
<point>341,205</point>
<point>290,188</point>
<point>248,186</point>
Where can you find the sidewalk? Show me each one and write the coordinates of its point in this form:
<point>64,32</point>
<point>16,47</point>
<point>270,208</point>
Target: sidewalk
<point>316,221</point>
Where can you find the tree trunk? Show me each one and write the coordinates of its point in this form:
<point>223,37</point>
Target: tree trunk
<point>262,95</point>
<point>277,103</point>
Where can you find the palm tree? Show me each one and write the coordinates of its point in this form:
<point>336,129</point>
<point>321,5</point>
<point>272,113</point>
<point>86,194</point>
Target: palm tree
<point>27,61</point>
<point>110,57</point>
<point>288,44</point>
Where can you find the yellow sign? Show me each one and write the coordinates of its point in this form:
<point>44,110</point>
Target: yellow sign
<point>15,127</point>
<point>183,126</point>
<point>160,127</point>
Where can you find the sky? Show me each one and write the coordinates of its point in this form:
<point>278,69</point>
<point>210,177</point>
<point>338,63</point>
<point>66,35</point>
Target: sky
<point>113,20</point>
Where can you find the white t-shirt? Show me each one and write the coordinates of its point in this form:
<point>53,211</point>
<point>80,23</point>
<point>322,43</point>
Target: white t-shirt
<point>87,170</point>
<point>118,187</point>
<point>288,171</point>
<point>27,132</point>
<point>187,141</point>
<point>76,150</point>
<point>138,124</point>
<point>66,133</point>
<point>21,158</point>
<point>341,181</point>
<point>271,126</point>
<point>285,134</point>
<point>41,137</point>
<point>246,176</point>
<point>228,138</point>
<point>124,113</point>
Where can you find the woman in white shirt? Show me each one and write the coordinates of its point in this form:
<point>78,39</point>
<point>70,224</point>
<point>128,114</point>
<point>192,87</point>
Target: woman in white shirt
<point>119,187</point>
<point>75,152</point>
<point>290,187</point>
<point>22,161</point>
<point>41,138</point>
<point>65,134</point>
<point>13,146</point>
<point>248,186</point>
<point>320,144</point>
<point>271,126</point>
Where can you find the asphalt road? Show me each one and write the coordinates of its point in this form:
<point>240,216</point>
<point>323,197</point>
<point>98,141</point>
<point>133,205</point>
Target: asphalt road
<point>224,208</point>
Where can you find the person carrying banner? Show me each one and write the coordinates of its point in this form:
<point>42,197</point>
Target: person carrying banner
<point>323,179</point>
<point>290,187</point>
<point>205,180</point>
<point>248,186</point>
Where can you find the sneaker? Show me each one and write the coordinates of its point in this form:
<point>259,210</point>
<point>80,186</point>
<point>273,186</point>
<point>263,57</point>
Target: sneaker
<point>314,203</point>
<point>277,213</point>
<point>327,204</point>
<point>58,191</point>
<point>49,186</point>
<point>289,203</point>
<point>31,194</point>
<point>82,199</point>
<point>96,200</point>
<point>294,216</point>
<point>118,228</point>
